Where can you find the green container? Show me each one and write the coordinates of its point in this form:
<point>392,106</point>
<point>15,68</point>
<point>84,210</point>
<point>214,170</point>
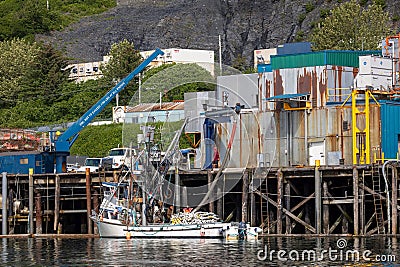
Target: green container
<point>320,58</point>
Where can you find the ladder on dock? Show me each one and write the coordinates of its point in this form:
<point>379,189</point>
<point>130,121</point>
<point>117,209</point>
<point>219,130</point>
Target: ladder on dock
<point>376,187</point>
<point>267,223</point>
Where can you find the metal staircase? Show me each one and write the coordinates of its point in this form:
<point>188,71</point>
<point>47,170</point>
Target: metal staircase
<point>376,187</point>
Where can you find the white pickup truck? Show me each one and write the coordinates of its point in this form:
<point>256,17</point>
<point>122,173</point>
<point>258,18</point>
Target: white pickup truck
<point>118,158</point>
<point>94,164</point>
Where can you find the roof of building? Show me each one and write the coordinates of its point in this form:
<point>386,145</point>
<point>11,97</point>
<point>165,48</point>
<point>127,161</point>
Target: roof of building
<point>156,106</point>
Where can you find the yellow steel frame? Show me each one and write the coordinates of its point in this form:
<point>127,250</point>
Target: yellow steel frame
<point>286,106</point>
<point>364,151</point>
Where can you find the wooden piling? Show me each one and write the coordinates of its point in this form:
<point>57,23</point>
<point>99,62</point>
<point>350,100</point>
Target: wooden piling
<point>394,200</point>
<point>245,195</point>
<point>325,211</point>
<point>30,202</point>
<point>253,213</point>
<point>211,199</point>
<point>288,225</point>
<point>362,211</point>
<point>317,186</point>
<point>279,202</point>
<point>4,187</point>
<point>356,203</point>
<point>56,203</point>
<point>88,201</point>
<point>96,208</point>
<point>219,202</point>
<point>38,210</point>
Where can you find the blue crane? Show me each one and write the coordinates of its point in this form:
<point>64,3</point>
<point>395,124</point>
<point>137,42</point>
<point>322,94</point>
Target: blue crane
<point>66,139</point>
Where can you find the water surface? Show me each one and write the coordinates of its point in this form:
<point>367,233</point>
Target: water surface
<point>196,252</point>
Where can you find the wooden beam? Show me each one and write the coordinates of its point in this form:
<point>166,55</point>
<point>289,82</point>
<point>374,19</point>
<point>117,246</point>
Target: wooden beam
<point>342,210</point>
<point>369,190</point>
<point>336,223</point>
<point>368,224</point>
<point>304,201</point>
<point>57,204</point>
<point>245,190</point>
<point>325,209</point>
<point>355,204</point>
<point>287,204</point>
<point>294,217</point>
<point>279,202</point>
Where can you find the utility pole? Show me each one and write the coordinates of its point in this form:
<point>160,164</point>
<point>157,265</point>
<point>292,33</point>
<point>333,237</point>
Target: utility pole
<point>220,54</point>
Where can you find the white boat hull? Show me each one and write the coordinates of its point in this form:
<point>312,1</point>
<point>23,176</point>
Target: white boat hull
<point>113,228</point>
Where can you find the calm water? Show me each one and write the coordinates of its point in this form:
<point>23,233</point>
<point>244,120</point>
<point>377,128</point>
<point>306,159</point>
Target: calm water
<point>188,252</point>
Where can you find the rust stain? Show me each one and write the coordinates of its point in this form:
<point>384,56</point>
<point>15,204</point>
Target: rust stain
<point>340,72</point>
<point>268,90</point>
<point>355,72</point>
<point>304,82</point>
<point>278,87</point>
<point>323,87</point>
<point>314,89</point>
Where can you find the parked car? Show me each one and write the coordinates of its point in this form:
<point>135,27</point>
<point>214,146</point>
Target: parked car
<point>72,167</point>
<point>94,164</point>
<point>118,158</point>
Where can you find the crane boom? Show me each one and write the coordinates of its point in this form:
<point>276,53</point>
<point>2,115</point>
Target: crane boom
<point>65,141</point>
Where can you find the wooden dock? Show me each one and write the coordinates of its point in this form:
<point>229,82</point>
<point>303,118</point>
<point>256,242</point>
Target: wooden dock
<point>343,200</point>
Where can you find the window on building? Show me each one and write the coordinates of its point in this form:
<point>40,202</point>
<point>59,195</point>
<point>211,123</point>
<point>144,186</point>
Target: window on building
<point>75,70</point>
<point>23,161</point>
<point>95,69</point>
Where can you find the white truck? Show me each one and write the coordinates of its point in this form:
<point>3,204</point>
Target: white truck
<point>94,164</point>
<point>118,158</point>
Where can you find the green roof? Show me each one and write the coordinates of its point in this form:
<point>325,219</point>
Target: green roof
<point>320,58</point>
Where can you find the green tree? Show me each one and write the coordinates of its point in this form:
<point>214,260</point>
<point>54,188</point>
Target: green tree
<point>352,27</point>
<point>124,58</point>
<point>17,56</point>
<point>47,75</point>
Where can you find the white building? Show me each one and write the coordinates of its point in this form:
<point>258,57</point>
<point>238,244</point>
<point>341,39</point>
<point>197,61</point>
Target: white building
<point>149,112</point>
<point>81,72</point>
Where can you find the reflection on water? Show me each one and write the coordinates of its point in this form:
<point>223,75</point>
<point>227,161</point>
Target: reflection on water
<point>199,252</point>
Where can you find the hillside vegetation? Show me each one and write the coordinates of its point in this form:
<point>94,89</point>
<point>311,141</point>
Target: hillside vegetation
<point>24,19</point>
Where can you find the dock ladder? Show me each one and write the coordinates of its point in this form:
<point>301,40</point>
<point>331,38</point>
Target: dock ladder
<point>376,187</point>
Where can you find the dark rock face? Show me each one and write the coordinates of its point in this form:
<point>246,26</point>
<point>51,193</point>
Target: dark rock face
<point>244,25</point>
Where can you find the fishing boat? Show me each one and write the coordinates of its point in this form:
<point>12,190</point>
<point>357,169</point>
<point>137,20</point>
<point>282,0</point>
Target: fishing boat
<point>135,206</point>
<point>117,220</point>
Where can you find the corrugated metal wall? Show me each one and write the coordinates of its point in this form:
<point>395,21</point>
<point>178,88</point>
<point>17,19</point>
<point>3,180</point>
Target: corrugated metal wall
<point>279,138</point>
<point>238,89</point>
<point>325,84</point>
<point>321,58</point>
<point>390,118</point>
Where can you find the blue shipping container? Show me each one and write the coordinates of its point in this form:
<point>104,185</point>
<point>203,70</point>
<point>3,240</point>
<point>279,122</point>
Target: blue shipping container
<point>21,162</point>
<point>294,48</point>
<point>264,68</point>
<point>390,123</point>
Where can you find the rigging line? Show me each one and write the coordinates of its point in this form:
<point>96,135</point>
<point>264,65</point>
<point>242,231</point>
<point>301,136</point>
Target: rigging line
<point>170,153</point>
<point>108,199</point>
<point>224,162</point>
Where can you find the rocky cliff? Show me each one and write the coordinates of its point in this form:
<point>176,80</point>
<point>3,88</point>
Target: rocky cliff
<point>244,25</point>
